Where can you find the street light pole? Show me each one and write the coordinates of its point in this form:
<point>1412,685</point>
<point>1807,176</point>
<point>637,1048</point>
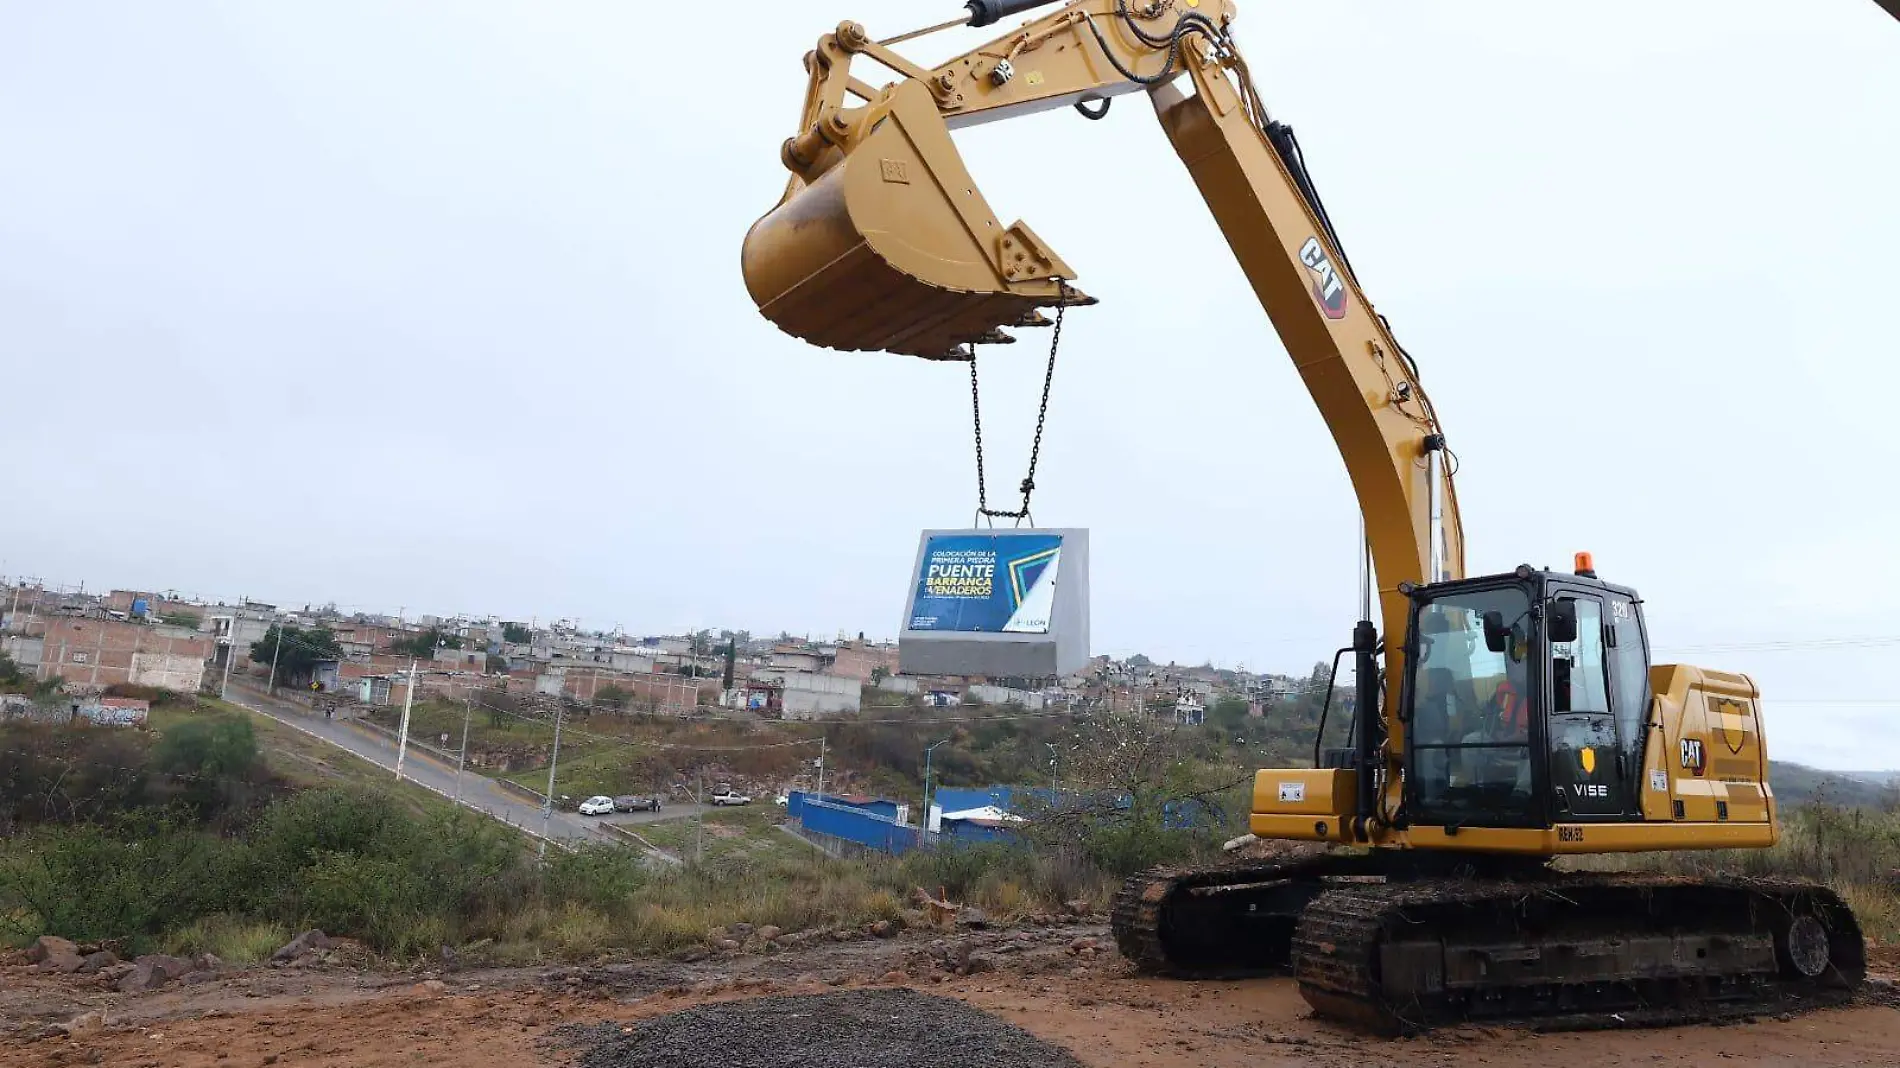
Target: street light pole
<point>1054,755</point>
<point>927,751</point>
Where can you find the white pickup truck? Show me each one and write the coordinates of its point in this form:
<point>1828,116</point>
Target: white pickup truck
<point>726,795</point>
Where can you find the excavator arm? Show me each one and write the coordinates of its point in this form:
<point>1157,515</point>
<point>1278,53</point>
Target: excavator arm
<point>882,240</point>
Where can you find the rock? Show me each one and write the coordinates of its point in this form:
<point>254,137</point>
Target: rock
<point>150,973</point>
<point>841,935</point>
<point>740,930</point>
<point>207,961</point>
<point>1078,973</point>
<point>895,977</point>
<point>1078,907</point>
<point>882,929</point>
<point>973,918</point>
<point>769,932</point>
<point>305,943</point>
<point>1088,952</point>
<point>730,945</point>
<point>95,962</point>
<point>717,935</point>
<point>112,973</point>
<point>45,945</point>
<point>1024,936</point>
<point>56,956</point>
<point>692,954</point>
<point>978,964</point>
<point>195,978</point>
<point>430,988</point>
<point>1080,944</point>
<point>86,1023</point>
<point>173,967</point>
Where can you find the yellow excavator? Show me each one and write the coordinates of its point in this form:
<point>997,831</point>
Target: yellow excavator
<point>1498,722</point>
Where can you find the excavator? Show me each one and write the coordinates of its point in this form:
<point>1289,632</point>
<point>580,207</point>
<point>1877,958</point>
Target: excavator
<point>1499,723</point>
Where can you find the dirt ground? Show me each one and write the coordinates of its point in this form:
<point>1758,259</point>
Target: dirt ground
<point>1052,981</point>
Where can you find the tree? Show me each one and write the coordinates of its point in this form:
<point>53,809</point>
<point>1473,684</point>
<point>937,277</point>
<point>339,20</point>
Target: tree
<point>11,677</point>
<point>301,649</point>
<point>423,644</point>
<point>180,619</point>
<point>879,674</point>
<point>1229,713</point>
<point>1140,788</point>
<point>516,633</point>
<point>497,665</point>
<point>1139,661</point>
<point>612,696</point>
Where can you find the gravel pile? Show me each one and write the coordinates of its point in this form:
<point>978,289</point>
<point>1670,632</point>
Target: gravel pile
<point>894,1028</point>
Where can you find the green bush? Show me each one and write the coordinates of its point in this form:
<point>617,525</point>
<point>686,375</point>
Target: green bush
<point>603,877</point>
<point>90,882</point>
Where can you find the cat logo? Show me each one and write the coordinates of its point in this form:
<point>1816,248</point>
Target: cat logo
<point>1692,755</point>
<point>1328,287</point>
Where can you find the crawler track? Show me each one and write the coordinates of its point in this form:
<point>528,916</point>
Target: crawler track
<point>1558,951</point>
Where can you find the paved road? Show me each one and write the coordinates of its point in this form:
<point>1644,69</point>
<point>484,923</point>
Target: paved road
<point>478,791</point>
<point>670,812</point>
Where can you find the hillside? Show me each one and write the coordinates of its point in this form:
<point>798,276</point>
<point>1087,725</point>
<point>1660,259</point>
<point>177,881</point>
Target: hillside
<point>1797,784</point>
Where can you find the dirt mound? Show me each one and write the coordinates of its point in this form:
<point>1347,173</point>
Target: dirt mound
<point>849,1029</point>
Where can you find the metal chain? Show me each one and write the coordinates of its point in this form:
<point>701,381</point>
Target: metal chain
<point>1028,485</point>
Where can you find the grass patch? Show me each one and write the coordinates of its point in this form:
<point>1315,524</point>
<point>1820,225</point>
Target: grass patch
<point>233,939</point>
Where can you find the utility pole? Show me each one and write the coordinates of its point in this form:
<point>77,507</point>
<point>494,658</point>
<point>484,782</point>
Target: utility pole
<point>547,807</point>
<point>402,731</point>
<point>699,818</point>
<point>468,706</point>
<point>230,654</point>
<point>271,686</point>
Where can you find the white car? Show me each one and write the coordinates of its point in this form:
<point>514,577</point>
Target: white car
<point>731,799</point>
<point>599,805</point>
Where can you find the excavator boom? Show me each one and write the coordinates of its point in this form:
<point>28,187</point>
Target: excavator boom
<point>883,241</point>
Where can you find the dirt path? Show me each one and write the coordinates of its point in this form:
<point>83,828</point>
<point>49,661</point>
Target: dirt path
<point>502,1018</point>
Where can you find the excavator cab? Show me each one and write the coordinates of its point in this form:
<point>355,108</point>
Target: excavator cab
<point>1525,700</point>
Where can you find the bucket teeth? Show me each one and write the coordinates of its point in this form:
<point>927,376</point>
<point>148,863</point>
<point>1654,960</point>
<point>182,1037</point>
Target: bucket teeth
<point>1033,317</point>
<point>994,337</point>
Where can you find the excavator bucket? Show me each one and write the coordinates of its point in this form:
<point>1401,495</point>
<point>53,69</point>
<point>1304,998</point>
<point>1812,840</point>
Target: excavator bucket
<point>892,248</point>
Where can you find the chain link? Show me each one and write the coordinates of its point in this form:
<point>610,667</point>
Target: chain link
<point>1028,485</point>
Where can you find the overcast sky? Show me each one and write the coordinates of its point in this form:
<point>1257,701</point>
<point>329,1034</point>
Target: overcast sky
<point>437,306</point>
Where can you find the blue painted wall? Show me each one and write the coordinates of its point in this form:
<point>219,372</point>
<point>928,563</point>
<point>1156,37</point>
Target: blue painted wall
<point>852,823</point>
